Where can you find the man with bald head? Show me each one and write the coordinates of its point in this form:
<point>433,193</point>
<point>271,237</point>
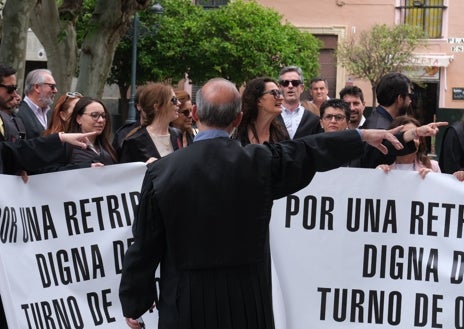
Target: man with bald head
<point>204,217</point>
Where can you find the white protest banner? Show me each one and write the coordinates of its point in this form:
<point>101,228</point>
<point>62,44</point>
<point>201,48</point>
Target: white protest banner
<point>63,236</point>
<point>359,248</point>
<point>356,248</point>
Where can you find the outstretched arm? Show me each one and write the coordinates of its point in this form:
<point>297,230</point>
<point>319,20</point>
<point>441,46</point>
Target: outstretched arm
<point>375,137</point>
<point>77,139</point>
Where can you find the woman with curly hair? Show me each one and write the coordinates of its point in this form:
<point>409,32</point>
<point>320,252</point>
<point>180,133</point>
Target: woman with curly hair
<point>261,106</point>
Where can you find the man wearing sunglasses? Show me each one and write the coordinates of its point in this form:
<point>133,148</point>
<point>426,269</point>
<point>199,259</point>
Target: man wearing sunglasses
<point>40,90</point>
<point>11,127</point>
<point>298,121</point>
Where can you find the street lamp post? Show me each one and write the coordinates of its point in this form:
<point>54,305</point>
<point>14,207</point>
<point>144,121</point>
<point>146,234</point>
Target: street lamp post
<point>131,115</point>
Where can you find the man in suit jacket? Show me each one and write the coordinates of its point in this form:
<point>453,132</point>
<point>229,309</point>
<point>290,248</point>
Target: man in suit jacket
<point>298,121</point>
<point>35,109</point>
<point>212,246</point>
<point>12,127</point>
<point>394,95</point>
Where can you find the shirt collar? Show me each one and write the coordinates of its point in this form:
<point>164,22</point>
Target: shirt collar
<point>210,133</point>
<point>384,113</point>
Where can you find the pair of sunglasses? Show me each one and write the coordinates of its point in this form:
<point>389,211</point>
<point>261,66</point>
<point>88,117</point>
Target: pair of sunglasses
<point>10,88</point>
<point>274,92</point>
<point>286,83</point>
<point>185,112</point>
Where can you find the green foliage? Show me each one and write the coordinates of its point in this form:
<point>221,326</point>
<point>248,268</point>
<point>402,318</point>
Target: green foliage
<point>239,41</point>
<point>83,25</point>
<point>380,50</point>
<point>243,40</point>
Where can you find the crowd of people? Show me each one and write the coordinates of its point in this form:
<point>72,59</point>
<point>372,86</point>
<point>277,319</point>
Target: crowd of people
<point>265,139</point>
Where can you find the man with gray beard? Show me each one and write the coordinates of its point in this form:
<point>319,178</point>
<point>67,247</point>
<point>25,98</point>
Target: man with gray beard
<point>40,90</point>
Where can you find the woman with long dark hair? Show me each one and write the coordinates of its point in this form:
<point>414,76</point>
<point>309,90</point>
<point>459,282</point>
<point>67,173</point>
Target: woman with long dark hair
<point>91,115</point>
<point>261,106</point>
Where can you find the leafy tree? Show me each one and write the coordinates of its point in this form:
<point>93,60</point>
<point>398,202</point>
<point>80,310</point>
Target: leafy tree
<point>54,22</point>
<point>243,40</point>
<point>380,50</point>
<point>239,41</point>
<point>157,60</point>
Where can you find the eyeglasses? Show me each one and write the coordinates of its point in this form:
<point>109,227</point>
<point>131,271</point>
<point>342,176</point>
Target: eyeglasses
<point>96,115</point>
<point>337,117</point>
<point>174,100</point>
<point>51,85</point>
<point>185,112</point>
<point>10,88</point>
<point>73,94</point>
<point>411,95</point>
<point>286,83</point>
<point>274,92</point>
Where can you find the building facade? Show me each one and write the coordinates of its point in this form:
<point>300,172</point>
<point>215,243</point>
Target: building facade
<point>439,75</point>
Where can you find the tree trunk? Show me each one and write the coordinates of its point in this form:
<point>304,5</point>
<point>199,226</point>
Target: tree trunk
<point>59,40</point>
<point>14,36</point>
<point>112,20</point>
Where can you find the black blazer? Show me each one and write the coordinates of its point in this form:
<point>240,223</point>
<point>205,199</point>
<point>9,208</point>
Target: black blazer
<point>309,124</point>
<point>140,146</point>
<point>212,246</point>
<point>452,149</point>
<point>12,126</point>
<point>33,126</point>
<point>372,157</point>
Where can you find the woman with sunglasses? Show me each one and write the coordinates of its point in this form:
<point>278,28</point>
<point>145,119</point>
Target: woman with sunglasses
<point>91,115</point>
<point>155,138</point>
<point>261,106</point>
<point>185,121</point>
<point>64,106</point>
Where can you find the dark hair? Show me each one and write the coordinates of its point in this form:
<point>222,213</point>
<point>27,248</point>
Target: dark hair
<point>336,104</point>
<point>390,86</point>
<point>183,98</point>
<point>6,71</point>
<point>352,91</point>
<point>104,137</point>
<point>253,92</point>
<point>317,79</point>
<point>421,154</point>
